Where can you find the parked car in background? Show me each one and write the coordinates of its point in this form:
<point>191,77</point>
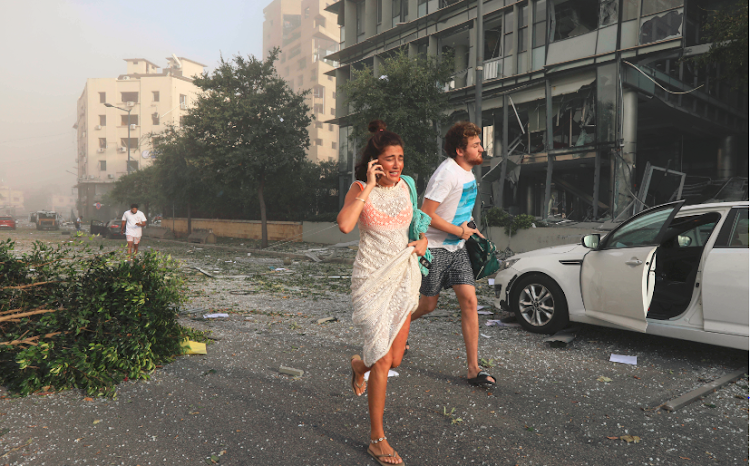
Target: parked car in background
<point>673,270</point>
<point>7,222</point>
<point>110,229</point>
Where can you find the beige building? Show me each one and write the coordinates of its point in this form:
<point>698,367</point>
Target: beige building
<point>146,99</point>
<point>306,33</point>
<point>11,201</point>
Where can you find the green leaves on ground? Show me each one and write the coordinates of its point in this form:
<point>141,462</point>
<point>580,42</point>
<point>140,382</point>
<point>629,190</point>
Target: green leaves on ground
<point>73,319</point>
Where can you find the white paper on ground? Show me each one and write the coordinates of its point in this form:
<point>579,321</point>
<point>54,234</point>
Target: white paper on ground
<point>485,336</point>
<point>500,323</point>
<point>485,313</point>
<point>622,359</point>
<point>491,281</point>
<point>215,316</point>
<point>391,373</point>
<point>480,307</point>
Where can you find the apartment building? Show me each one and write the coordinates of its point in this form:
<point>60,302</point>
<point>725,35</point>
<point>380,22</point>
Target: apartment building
<point>581,100</point>
<point>11,201</point>
<point>117,118</point>
<point>306,34</point>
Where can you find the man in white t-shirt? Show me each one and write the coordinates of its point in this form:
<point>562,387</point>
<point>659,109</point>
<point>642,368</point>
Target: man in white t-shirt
<point>133,222</point>
<point>449,200</point>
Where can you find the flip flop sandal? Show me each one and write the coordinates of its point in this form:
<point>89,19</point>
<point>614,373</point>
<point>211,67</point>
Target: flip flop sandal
<point>356,386</point>
<point>482,380</point>
<point>390,455</point>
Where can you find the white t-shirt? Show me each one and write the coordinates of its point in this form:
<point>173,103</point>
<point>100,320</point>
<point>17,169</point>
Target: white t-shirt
<point>456,190</point>
<point>130,218</point>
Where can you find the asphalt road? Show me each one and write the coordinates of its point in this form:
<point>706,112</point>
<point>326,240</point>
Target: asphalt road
<point>551,405</point>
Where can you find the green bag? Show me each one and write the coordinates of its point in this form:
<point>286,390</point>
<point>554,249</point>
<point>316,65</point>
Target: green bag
<point>482,256</point>
<point>419,223</point>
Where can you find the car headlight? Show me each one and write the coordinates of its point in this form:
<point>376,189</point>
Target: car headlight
<point>507,263</point>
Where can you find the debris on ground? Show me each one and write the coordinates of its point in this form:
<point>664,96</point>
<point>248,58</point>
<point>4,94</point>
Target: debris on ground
<point>623,359</point>
<point>291,371</point>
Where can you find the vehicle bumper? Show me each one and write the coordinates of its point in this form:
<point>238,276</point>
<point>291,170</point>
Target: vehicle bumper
<point>503,283</point>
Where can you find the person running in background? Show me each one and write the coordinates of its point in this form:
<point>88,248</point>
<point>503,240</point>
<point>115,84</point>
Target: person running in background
<point>386,275</point>
<point>133,222</point>
<point>449,200</point>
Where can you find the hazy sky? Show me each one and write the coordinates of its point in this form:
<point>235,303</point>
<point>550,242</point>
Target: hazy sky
<point>49,48</point>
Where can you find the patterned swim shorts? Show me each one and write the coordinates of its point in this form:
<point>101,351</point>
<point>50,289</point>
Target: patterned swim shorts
<point>447,269</point>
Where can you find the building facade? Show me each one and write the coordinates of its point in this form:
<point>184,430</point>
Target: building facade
<point>306,34</point>
<point>581,100</point>
<point>113,141</point>
<point>11,201</point>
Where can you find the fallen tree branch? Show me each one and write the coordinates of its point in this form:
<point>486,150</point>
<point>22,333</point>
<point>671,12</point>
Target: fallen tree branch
<point>31,285</point>
<point>16,448</point>
<point>26,314</point>
<point>30,340</point>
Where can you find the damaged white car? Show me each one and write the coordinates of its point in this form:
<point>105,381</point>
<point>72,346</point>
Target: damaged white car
<point>672,270</point>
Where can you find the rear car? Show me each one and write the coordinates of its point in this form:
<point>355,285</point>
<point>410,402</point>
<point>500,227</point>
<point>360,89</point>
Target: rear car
<point>110,229</point>
<point>7,222</point>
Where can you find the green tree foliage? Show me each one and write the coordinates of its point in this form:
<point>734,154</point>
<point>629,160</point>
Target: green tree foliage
<point>138,187</point>
<point>180,169</point>
<point>251,125</point>
<point>727,31</point>
<point>73,319</point>
<point>496,217</point>
<point>408,95</point>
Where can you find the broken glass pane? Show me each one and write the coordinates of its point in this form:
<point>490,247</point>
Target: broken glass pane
<point>655,6</point>
<point>606,102</point>
<point>570,18</point>
<point>607,12</point>
<point>660,27</point>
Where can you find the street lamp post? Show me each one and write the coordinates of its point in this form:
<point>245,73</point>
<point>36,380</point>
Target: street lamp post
<point>124,110</point>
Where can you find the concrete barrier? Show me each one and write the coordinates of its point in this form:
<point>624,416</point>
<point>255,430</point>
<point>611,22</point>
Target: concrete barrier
<point>522,241</point>
<point>247,229</point>
<point>157,232</point>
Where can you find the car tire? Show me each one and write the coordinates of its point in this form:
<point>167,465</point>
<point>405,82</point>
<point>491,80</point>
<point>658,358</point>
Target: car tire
<point>539,304</point>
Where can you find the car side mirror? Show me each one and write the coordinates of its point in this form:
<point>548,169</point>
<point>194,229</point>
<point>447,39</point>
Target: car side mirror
<point>591,241</point>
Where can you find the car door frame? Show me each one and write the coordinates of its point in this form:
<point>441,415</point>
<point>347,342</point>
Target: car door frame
<point>622,314</point>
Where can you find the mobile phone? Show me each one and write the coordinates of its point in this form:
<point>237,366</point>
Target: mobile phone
<point>425,263</point>
<point>472,225</point>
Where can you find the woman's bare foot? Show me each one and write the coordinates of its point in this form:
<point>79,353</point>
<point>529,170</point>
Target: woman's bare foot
<point>383,448</point>
<point>358,375</point>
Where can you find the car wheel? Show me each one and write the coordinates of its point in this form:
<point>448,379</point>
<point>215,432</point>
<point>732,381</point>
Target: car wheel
<point>539,304</point>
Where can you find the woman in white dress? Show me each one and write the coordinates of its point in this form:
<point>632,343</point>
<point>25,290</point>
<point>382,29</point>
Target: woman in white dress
<point>385,277</point>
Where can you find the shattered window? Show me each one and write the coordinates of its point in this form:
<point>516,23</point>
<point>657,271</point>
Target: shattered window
<point>493,33</point>
<point>508,24</point>
<point>606,102</point>
<point>571,18</point>
<point>655,6</point>
<point>540,22</point>
<point>661,27</point>
<point>129,97</point>
<point>124,119</point>
<point>607,12</point>
<point>523,22</point>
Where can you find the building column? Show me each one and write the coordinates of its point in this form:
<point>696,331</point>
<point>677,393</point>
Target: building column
<point>432,46</point>
<point>413,10</point>
<point>342,76</point>
<point>377,66</point>
<point>387,15</point>
<point>727,152</point>
<point>625,165</point>
<point>350,23</point>
<point>371,17</point>
<point>461,64</point>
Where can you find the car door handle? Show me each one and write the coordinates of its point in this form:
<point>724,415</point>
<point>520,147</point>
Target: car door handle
<point>634,262</point>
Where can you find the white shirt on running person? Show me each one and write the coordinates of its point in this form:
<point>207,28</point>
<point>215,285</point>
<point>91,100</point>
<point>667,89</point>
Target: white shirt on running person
<point>130,219</point>
<point>455,188</point>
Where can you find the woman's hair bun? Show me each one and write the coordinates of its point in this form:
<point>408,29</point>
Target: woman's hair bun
<point>376,125</point>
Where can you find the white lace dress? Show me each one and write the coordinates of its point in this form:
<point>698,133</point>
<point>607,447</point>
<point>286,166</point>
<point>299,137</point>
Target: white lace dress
<point>386,276</point>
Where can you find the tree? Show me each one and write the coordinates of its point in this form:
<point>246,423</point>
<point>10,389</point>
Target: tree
<point>253,125</point>
<point>179,173</point>
<point>138,187</point>
<point>727,31</point>
<point>409,97</point>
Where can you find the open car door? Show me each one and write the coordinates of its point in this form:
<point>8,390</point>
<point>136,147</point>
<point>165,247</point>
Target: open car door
<point>617,278</point>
